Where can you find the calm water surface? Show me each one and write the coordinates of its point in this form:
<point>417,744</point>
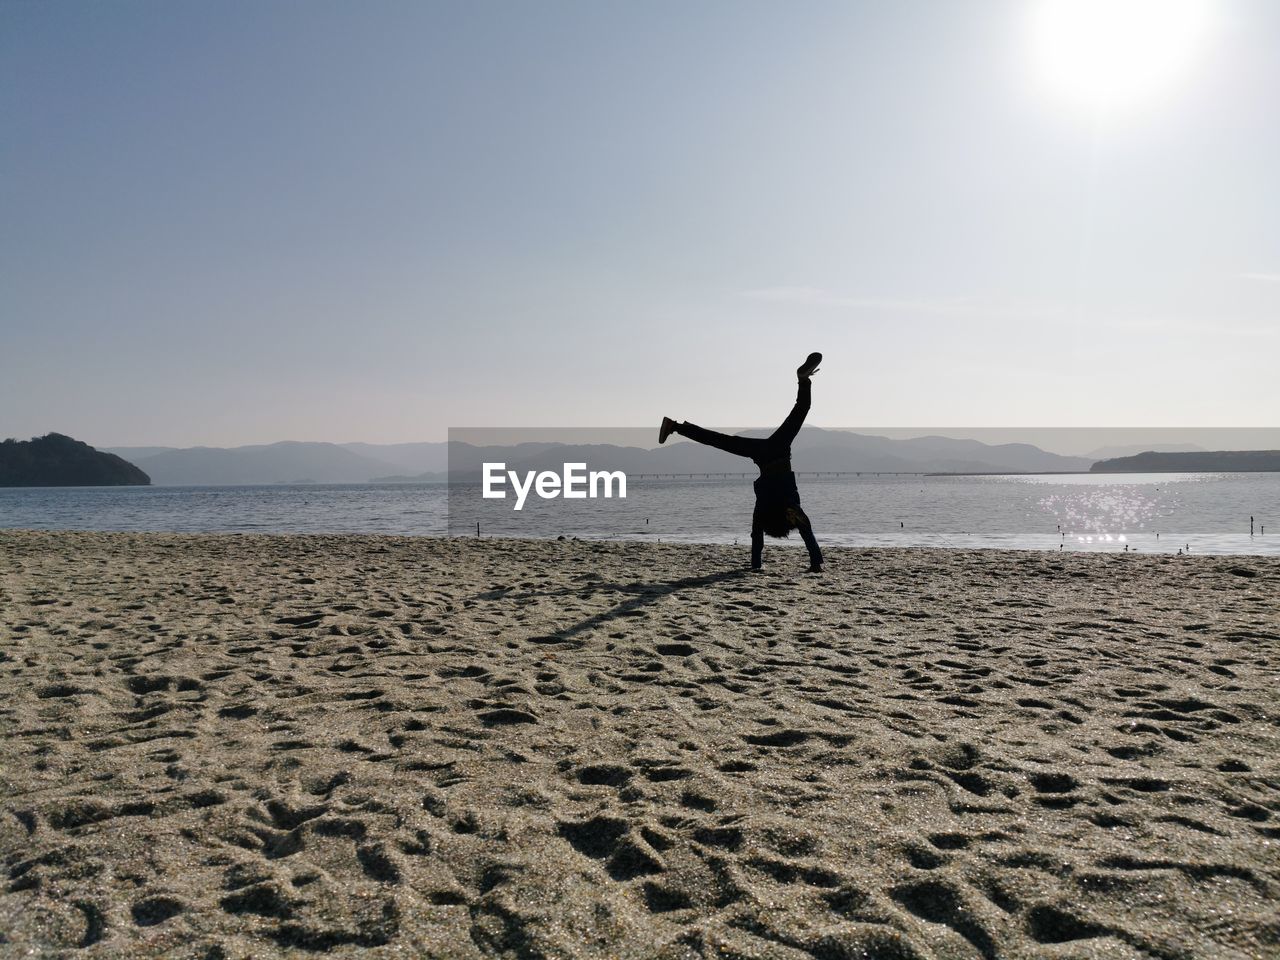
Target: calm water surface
<point>1205,513</point>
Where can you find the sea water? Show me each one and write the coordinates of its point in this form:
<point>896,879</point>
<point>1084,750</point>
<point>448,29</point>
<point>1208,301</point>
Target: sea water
<point>1200,513</point>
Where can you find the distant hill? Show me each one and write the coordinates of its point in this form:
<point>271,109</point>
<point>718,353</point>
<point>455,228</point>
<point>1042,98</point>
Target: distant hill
<point>284,462</point>
<point>134,454</point>
<point>288,461</point>
<point>55,460</point>
<point>947,455</point>
<point>1225,461</point>
<point>410,458</point>
<point>1110,453</point>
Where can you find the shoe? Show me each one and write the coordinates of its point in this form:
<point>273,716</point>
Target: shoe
<point>810,366</point>
<point>664,431</point>
<point>815,568</point>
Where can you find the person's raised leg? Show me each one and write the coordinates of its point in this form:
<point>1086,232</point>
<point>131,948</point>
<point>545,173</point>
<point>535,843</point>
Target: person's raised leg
<point>786,433</point>
<point>738,446</point>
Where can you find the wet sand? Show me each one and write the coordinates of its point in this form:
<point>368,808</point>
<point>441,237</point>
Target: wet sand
<point>250,746</point>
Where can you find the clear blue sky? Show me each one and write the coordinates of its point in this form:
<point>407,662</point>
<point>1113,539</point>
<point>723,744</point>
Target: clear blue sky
<point>228,222</point>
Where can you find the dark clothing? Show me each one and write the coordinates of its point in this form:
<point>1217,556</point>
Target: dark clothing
<point>779,490</point>
<point>776,486</point>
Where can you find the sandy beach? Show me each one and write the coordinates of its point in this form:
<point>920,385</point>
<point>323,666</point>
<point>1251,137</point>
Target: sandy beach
<point>223,747</point>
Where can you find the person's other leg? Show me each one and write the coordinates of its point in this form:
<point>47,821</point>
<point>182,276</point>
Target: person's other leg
<point>786,433</point>
<point>810,541</point>
<point>739,446</point>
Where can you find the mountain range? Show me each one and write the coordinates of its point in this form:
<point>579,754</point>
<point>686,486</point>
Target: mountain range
<point>289,461</point>
<point>814,450</point>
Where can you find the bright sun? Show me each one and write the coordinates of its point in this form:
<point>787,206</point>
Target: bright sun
<point>1111,54</point>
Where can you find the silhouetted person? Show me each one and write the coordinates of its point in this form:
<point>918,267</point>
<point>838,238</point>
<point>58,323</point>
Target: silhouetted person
<point>777,510</point>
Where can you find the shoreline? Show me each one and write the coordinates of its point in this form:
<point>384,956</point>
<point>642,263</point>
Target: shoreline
<point>245,745</point>
<point>1094,548</point>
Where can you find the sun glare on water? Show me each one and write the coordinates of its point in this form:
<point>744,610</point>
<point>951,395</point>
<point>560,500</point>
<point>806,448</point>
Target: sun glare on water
<point>1106,55</point>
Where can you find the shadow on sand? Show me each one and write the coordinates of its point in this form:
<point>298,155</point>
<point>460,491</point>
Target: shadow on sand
<point>638,595</point>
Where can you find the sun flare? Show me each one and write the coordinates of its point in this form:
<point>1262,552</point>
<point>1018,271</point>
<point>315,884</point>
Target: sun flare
<point>1111,54</point>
